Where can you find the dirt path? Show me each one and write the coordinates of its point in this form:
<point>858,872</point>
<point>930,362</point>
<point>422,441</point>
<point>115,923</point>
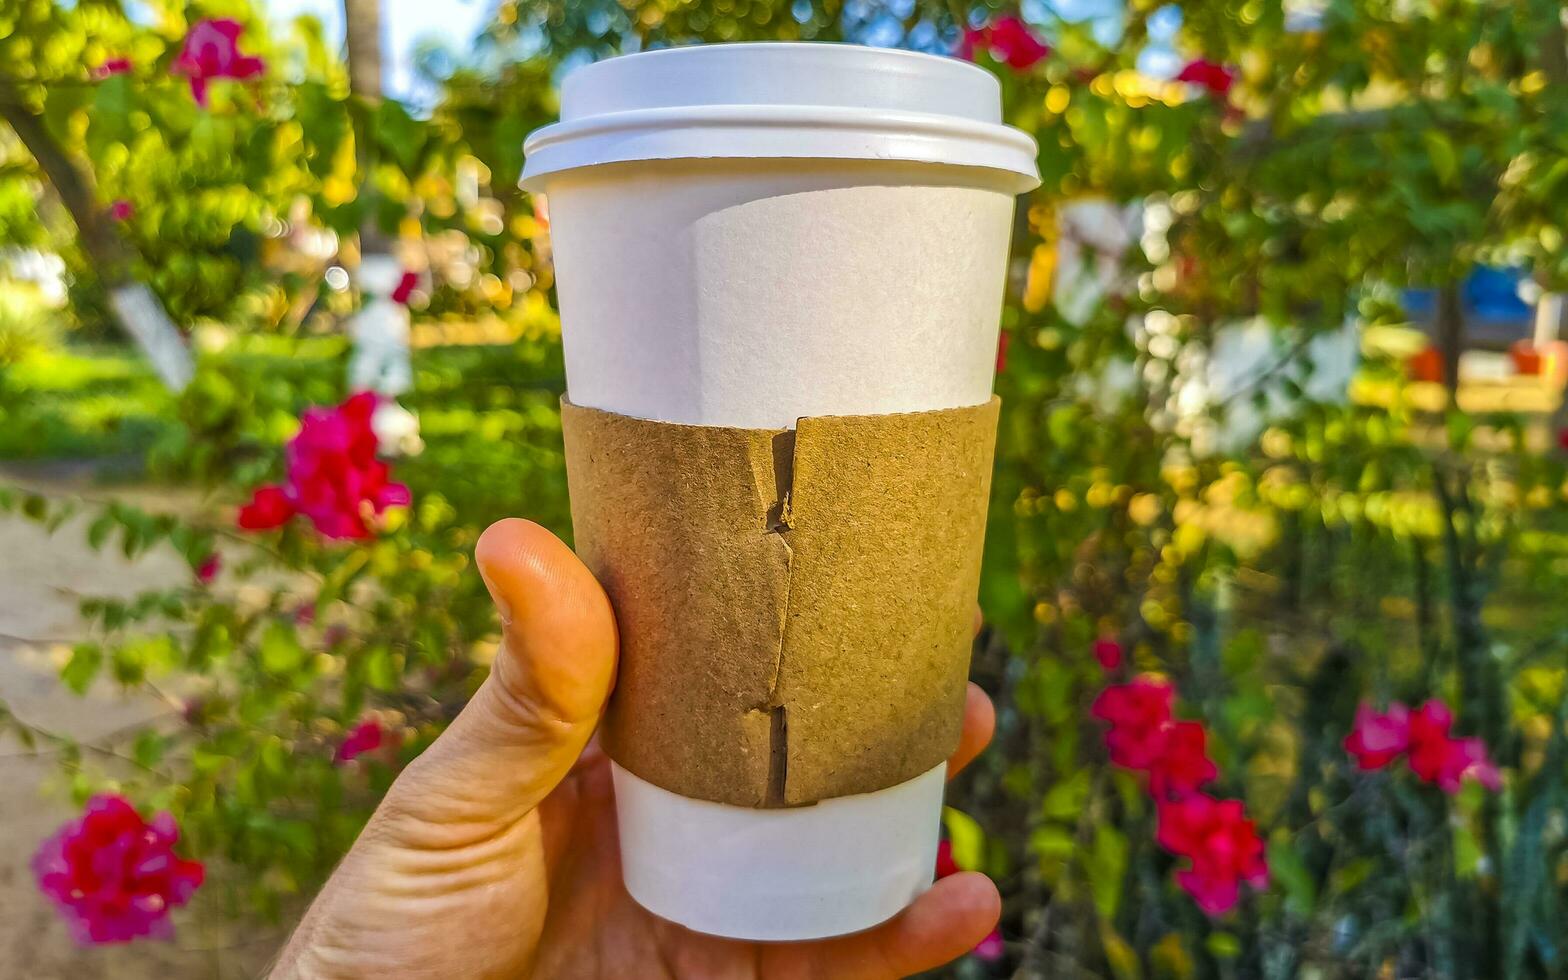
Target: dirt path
<point>41,578</point>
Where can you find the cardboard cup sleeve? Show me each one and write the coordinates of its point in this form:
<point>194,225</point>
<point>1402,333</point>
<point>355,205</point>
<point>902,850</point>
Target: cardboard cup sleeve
<point>796,606</point>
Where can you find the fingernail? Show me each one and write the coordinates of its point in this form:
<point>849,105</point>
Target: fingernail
<point>502,607</point>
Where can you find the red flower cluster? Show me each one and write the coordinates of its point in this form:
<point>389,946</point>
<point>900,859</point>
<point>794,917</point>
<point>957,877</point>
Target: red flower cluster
<point>122,210</point>
<point>1145,736</point>
<point>1215,77</point>
<point>114,876</point>
<point>992,947</point>
<point>367,736</point>
<point>1423,737</point>
<point>212,50</point>
<point>208,570</point>
<point>1008,40</point>
<point>333,476</point>
<point>1222,844</point>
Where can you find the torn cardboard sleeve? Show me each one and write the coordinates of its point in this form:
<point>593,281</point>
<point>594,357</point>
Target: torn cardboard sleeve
<point>795,606</point>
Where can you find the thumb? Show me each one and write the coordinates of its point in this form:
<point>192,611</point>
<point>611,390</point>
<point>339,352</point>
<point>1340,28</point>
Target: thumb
<point>528,722</point>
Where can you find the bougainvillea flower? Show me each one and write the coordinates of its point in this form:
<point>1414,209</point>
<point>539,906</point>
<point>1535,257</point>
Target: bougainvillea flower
<point>945,865</point>
<point>212,50</point>
<point>1434,754</point>
<point>114,876</point>
<point>1379,738</point>
<point>269,507</point>
<point>1108,652</point>
<point>367,736</point>
<point>1183,764</point>
<point>332,475</point>
<point>208,569</point>
<point>405,287</point>
<point>1222,844</point>
<point>1139,713</point>
<point>1437,757</point>
<point>1214,77</point>
<point>122,210</point>
<point>991,948</point>
<point>1429,740</point>
<point>112,66</point>
<point>1468,757</point>
<point>1008,40</point>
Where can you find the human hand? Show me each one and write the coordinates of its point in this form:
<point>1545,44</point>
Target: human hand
<point>495,854</point>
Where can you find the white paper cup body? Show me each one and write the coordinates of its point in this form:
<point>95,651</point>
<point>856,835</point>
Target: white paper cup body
<point>750,292</point>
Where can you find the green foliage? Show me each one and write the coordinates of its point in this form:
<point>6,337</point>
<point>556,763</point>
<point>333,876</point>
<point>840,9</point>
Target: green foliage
<point>1364,551</point>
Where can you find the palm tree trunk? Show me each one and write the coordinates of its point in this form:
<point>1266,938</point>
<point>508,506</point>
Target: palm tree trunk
<point>139,311</point>
<point>362,34</point>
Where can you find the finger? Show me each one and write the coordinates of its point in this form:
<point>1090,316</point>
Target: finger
<point>979,726</point>
<point>527,724</point>
<point>941,925</point>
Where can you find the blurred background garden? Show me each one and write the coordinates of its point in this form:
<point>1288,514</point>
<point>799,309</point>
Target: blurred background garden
<point>1278,551</point>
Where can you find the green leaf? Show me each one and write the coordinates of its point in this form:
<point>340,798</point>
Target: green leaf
<point>1287,868</point>
<point>400,134</point>
<point>1445,161</point>
<point>80,670</point>
<point>967,838</point>
<point>149,748</point>
<point>281,652</point>
<point>1052,841</point>
<point>99,530</point>
<point>381,669</point>
<point>1223,945</point>
<point>1066,800</point>
<point>1107,866</point>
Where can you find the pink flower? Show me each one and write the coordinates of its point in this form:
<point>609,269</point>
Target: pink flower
<point>122,210</point>
<point>269,507</point>
<point>1108,652</point>
<point>1183,764</point>
<point>1468,757</point>
<point>1139,713</point>
<point>1437,757</point>
<point>991,948</point>
<point>367,736</point>
<point>1434,754</point>
<point>1215,77</point>
<point>1378,739</point>
<point>945,865</point>
<point>1222,845</point>
<point>212,51</point>
<point>208,569</point>
<point>112,66</point>
<point>1429,741</point>
<point>1008,40</point>
<point>405,287</point>
<point>333,476</point>
<point>114,876</point>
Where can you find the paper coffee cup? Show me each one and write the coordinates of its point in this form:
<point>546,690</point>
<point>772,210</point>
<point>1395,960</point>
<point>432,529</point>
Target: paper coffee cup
<point>745,235</point>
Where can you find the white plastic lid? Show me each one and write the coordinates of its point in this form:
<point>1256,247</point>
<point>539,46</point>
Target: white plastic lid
<point>781,101</point>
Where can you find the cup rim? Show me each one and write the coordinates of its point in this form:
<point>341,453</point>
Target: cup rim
<point>909,109</point>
